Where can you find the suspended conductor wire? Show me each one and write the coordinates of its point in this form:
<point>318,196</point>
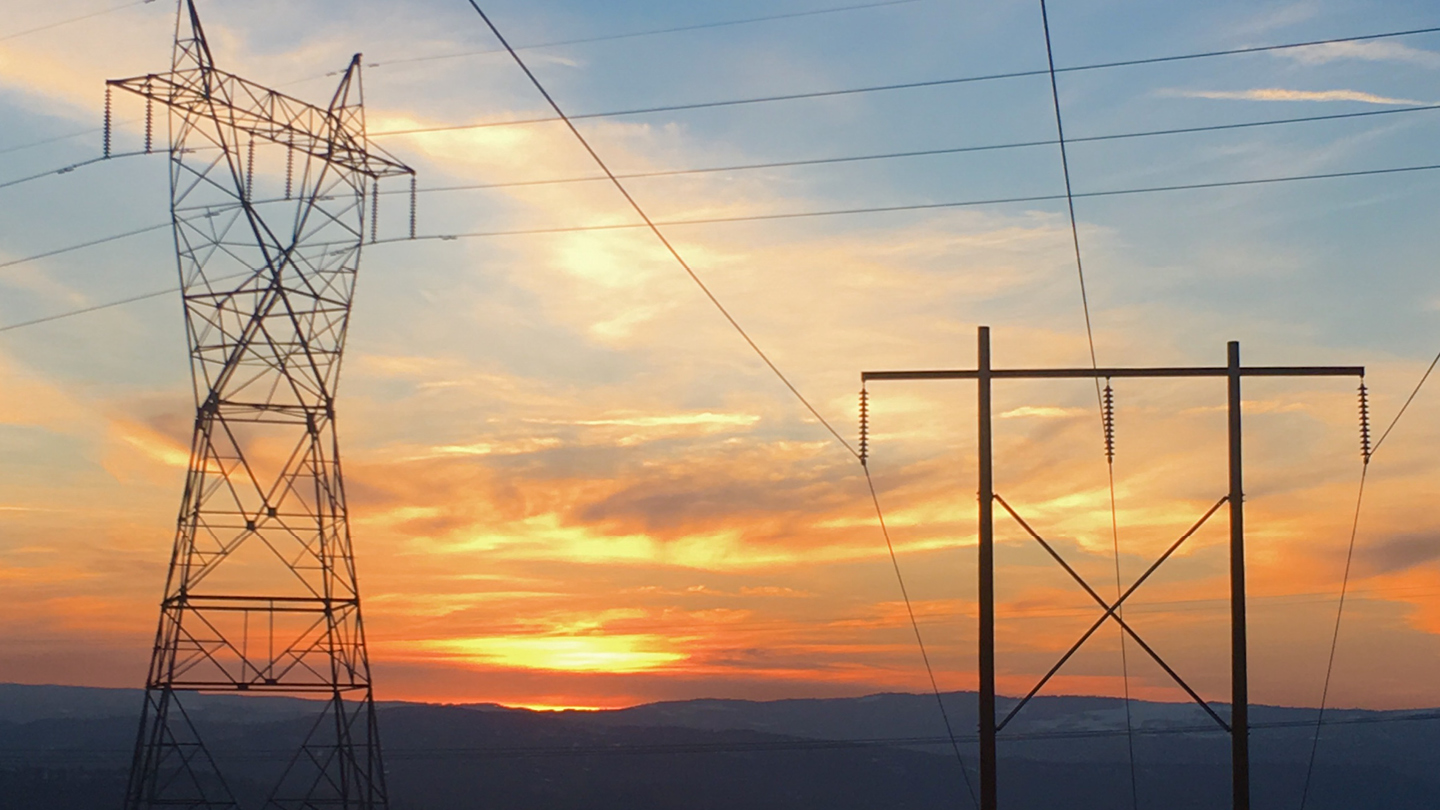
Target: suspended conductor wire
<point>808,214</point>
<point>1106,413</point>
<point>108,305</point>
<point>70,168</point>
<point>648,33</point>
<point>1334,640</point>
<point>1406,406</point>
<point>70,20</point>
<point>993,77</point>
<point>57,251</point>
<point>919,640</point>
<point>912,85</point>
<point>651,225</point>
<point>953,150</point>
<point>1367,452</point>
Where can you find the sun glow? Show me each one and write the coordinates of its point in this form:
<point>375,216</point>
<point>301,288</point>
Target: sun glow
<point>619,653</point>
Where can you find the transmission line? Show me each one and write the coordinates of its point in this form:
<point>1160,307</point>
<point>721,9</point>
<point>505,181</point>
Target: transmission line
<point>1368,453</point>
<point>882,209</point>
<point>779,216</point>
<point>903,85</point>
<point>1106,415</point>
<point>653,227</point>
<point>57,251</point>
<point>620,186</point>
<point>72,167</point>
<point>91,15</point>
<point>915,626</point>
<point>1406,406</point>
<point>647,33</point>
<point>780,164</point>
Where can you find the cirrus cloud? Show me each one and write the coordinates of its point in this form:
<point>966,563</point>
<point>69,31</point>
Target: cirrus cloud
<point>1283,94</point>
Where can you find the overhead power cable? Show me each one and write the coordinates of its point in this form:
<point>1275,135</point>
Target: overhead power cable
<point>53,139</point>
<point>97,307</point>
<point>57,251</point>
<point>1334,640</point>
<point>903,85</point>
<point>1403,408</point>
<point>652,226</point>
<point>919,640</point>
<point>786,215</point>
<point>883,209</point>
<point>72,167</point>
<point>1105,418</point>
<point>1368,454</point>
<point>646,33</point>
<point>91,15</point>
<point>640,211</point>
<point>780,164</point>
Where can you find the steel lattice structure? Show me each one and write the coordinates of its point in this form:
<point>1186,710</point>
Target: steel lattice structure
<point>261,594</point>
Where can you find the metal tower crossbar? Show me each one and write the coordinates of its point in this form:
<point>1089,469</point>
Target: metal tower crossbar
<point>268,204</point>
<point>1233,372</point>
<point>260,112</point>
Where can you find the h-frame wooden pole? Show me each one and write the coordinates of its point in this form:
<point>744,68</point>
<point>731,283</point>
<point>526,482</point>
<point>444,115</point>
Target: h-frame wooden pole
<point>1239,651</point>
<point>984,374</point>
<point>986,588</point>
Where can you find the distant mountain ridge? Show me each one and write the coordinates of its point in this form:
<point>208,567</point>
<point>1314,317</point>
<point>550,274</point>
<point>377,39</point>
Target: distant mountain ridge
<point>69,747</point>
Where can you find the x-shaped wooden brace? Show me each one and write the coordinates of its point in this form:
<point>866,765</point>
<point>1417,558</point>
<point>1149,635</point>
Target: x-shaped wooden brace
<point>1112,612</point>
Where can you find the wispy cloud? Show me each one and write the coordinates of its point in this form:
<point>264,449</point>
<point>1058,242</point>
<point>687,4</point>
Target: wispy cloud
<point>1282,94</point>
<point>705,418</point>
<point>1379,51</point>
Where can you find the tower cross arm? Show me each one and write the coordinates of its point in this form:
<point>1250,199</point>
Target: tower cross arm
<point>333,135</point>
<point>1093,373</point>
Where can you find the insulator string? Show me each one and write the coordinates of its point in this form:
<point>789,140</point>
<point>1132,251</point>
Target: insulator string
<point>375,211</point>
<point>250,170</point>
<point>289,169</point>
<point>412,206</point>
<point>107,121</point>
<point>149,123</point>
<point>1364,422</point>
<point>1109,419</point>
<point>864,427</point>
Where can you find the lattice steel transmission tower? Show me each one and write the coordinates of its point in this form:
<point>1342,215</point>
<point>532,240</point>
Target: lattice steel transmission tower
<point>261,594</point>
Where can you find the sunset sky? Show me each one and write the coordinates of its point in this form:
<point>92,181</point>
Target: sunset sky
<point>573,484</point>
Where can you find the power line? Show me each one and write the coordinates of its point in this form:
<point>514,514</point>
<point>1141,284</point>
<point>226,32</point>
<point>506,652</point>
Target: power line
<point>919,640</point>
<point>825,160</point>
<point>1369,453</point>
<point>620,186</point>
<point>1335,638</point>
<point>1104,417</point>
<point>779,164</point>
<point>646,33</point>
<point>72,167</point>
<point>91,15</point>
<point>56,252</point>
<point>97,307</point>
<point>49,318</point>
<point>903,85</point>
<point>791,215</point>
<point>882,209</point>
<point>652,226</point>
<point>1406,406</point>
<point>55,139</point>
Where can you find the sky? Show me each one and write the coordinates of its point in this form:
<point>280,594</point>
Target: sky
<point>572,483</point>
